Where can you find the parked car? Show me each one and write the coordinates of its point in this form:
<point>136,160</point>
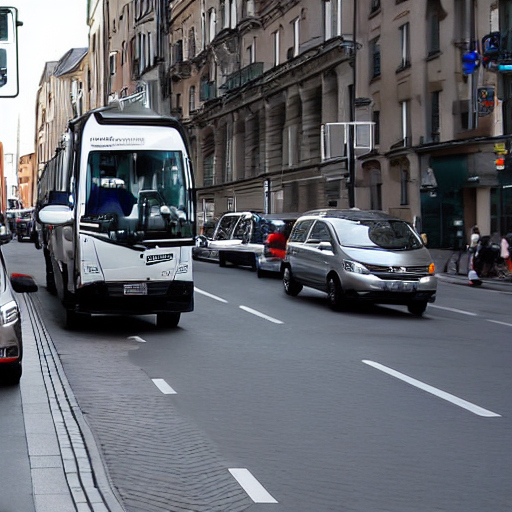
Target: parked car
<point>236,239</point>
<point>242,238</point>
<point>11,344</point>
<point>25,224</point>
<point>359,255</point>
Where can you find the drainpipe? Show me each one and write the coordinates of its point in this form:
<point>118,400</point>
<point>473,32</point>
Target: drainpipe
<point>351,162</point>
<point>471,79</point>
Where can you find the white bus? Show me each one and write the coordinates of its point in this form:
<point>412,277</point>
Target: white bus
<point>117,206</point>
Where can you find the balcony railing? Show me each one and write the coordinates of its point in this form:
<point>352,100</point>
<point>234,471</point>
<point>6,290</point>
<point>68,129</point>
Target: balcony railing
<point>244,75</point>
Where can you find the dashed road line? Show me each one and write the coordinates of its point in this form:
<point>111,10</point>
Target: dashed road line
<point>454,310</point>
<point>500,323</point>
<point>137,338</point>
<point>475,409</point>
<point>163,387</point>
<point>251,486</point>
<point>261,315</point>
<point>215,297</point>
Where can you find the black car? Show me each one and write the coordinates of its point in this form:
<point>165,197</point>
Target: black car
<point>25,224</point>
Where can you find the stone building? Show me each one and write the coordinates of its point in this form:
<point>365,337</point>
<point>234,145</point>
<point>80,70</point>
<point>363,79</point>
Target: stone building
<point>434,158</point>
<point>254,81</point>
<point>266,89</point>
<point>62,95</point>
<point>27,180</point>
<point>136,45</point>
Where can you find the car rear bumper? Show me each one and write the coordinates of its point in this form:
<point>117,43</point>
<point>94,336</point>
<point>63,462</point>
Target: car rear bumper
<point>269,263</point>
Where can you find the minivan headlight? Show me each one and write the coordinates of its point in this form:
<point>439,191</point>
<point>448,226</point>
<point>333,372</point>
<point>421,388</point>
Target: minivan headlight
<point>354,266</point>
<point>9,313</point>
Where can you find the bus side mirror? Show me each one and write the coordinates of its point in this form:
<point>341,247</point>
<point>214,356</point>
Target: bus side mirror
<point>9,24</point>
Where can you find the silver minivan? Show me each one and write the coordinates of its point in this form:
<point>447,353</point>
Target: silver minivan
<point>359,255</point>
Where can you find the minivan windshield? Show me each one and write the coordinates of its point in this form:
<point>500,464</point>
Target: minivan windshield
<point>134,195</point>
<point>383,234</point>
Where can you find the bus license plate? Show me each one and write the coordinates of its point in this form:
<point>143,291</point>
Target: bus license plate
<point>136,289</point>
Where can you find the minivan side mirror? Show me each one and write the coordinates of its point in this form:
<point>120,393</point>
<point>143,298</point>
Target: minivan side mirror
<point>325,246</point>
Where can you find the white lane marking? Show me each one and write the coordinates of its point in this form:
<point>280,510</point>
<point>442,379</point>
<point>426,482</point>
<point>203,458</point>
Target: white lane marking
<point>453,310</point>
<point>475,409</point>
<point>251,486</point>
<point>202,292</point>
<point>163,387</point>
<point>261,315</point>
<point>500,323</point>
<point>136,338</point>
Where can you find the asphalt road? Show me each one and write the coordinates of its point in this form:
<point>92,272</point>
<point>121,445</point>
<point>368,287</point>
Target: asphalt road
<point>16,483</point>
<point>259,401</point>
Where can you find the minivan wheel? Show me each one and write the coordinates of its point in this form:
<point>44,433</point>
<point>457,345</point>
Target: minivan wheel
<point>335,293</point>
<point>74,320</point>
<point>291,287</point>
<point>417,307</point>
<point>168,319</point>
<point>12,374</point>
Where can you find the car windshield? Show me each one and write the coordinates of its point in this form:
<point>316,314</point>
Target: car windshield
<point>383,234</point>
<point>138,194</point>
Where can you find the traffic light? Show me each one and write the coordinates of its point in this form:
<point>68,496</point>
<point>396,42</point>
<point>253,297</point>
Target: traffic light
<point>9,52</point>
<point>470,62</point>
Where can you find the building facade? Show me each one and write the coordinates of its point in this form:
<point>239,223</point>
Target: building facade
<point>277,95</point>
<point>27,180</point>
<point>62,95</point>
<point>254,82</point>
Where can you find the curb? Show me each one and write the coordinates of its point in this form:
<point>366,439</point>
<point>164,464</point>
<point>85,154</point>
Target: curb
<point>488,284</point>
<point>66,466</point>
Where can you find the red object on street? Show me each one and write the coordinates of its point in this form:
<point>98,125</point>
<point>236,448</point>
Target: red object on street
<point>276,243</point>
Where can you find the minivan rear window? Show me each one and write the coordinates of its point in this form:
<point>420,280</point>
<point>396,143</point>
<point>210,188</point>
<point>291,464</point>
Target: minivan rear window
<point>385,234</point>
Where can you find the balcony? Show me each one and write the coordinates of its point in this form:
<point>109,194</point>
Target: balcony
<point>180,70</point>
<point>243,76</point>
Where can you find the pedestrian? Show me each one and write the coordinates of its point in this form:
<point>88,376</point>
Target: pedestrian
<point>474,238</point>
<point>474,279</point>
<point>506,250</point>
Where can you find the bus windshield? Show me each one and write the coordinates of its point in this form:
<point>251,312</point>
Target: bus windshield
<point>137,195</point>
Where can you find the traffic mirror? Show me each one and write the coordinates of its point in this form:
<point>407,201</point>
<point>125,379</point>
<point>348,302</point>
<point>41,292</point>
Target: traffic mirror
<point>9,23</point>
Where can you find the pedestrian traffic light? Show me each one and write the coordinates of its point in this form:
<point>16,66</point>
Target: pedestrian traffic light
<point>500,163</point>
<point>9,52</point>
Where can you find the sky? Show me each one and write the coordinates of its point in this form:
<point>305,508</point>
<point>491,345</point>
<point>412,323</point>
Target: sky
<point>50,28</point>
